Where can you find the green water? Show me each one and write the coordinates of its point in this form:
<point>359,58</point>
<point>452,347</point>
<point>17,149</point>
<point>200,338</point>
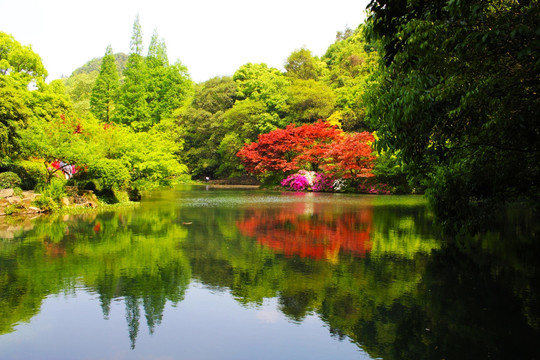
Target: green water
<point>206,273</point>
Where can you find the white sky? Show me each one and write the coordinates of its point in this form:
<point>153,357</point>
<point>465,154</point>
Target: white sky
<point>210,37</point>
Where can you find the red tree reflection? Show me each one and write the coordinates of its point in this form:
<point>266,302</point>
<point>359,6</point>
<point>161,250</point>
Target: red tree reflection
<point>306,230</point>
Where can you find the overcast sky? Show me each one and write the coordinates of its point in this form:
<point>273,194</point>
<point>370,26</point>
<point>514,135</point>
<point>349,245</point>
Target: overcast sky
<point>210,37</point>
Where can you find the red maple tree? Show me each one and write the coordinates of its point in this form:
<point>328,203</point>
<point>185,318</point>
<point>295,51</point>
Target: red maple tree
<point>351,157</point>
<point>318,146</point>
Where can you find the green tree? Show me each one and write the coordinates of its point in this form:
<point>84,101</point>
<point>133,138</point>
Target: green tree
<point>81,82</point>
<point>259,82</point>
<point>133,109</point>
<point>456,94</point>
<point>309,101</point>
<point>19,66</point>
<point>19,61</point>
<point>203,122</point>
<point>14,114</point>
<point>79,88</point>
<point>350,61</point>
<point>301,64</point>
<point>105,91</point>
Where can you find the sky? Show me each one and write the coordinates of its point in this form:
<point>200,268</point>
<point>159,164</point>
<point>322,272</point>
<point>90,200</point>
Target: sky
<point>210,37</point>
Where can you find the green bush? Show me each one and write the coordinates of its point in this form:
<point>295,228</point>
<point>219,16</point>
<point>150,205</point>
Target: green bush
<point>54,190</point>
<point>30,172</point>
<point>34,173</point>
<point>110,173</point>
<point>45,203</point>
<point>9,180</point>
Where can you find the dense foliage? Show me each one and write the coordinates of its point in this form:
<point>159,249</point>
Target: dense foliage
<point>452,103</point>
<point>106,148</point>
<point>456,95</point>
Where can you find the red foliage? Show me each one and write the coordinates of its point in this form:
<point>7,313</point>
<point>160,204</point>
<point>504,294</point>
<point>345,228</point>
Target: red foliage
<point>78,129</point>
<point>323,235</point>
<point>310,146</point>
<point>351,156</point>
<point>288,149</point>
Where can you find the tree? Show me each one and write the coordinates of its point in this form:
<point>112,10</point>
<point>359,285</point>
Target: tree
<point>316,147</point>
<point>301,64</point>
<point>14,114</point>
<point>259,82</point>
<point>215,95</point>
<point>105,91</point>
<point>203,122</point>
<point>309,101</point>
<point>152,89</point>
<point>80,83</point>
<point>456,94</point>
<point>350,61</point>
<point>133,109</point>
<point>351,156</point>
<point>79,88</point>
<point>19,66</point>
<point>19,61</point>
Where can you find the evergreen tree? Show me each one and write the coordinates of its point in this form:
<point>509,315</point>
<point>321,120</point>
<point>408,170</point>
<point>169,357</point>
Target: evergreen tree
<point>136,44</point>
<point>105,91</point>
<point>156,62</point>
<point>133,107</point>
<point>168,85</point>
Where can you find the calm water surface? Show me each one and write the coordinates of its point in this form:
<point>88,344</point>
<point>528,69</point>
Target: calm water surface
<point>206,273</point>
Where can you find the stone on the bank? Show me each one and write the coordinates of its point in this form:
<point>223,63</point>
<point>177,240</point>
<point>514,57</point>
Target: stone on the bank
<point>4,193</point>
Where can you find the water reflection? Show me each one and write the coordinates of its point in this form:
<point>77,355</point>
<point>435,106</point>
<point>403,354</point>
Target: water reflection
<point>309,229</point>
<point>107,253</point>
<point>371,268</point>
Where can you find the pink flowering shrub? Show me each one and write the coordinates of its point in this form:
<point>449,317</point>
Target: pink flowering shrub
<point>308,180</point>
<point>322,182</point>
<point>296,182</point>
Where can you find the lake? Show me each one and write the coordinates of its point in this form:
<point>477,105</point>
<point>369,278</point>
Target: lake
<point>210,273</point>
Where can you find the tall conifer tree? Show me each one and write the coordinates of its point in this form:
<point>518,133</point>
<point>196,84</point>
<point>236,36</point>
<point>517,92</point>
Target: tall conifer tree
<point>132,103</point>
<point>105,91</point>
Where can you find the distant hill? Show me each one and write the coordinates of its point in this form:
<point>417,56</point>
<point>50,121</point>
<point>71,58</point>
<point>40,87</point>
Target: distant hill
<point>94,65</point>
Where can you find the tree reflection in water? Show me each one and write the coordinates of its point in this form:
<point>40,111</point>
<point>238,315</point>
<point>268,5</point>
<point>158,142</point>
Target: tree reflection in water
<point>307,230</point>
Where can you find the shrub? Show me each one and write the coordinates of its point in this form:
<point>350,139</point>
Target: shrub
<point>34,173</point>
<point>9,180</point>
<point>54,190</point>
<point>296,182</point>
<point>111,173</point>
<point>30,172</point>
<point>308,180</point>
<point>46,203</point>
<point>323,182</point>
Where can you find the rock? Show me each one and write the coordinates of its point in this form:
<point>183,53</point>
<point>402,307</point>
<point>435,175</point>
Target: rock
<point>26,202</point>
<point>13,200</point>
<point>30,195</point>
<point>33,210</point>
<point>4,193</point>
<point>66,201</point>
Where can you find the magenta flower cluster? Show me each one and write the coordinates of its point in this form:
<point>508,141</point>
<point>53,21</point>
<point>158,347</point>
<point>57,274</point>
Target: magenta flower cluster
<point>322,182</point>
<point>308,180</point>
<point>296,182</point>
